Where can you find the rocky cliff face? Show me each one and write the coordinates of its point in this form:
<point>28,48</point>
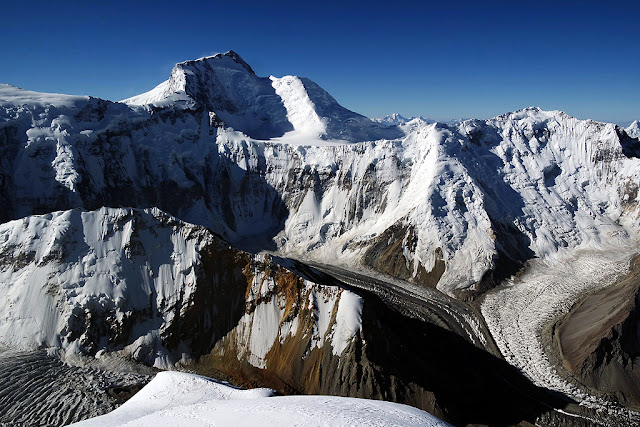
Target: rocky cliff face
<point>137,281</point>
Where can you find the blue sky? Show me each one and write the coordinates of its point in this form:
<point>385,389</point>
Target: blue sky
<point>439,59</point>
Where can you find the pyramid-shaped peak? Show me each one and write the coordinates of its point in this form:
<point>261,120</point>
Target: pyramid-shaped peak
<point>260,107</point>
<point>634,129</point>
<point>217,60</point>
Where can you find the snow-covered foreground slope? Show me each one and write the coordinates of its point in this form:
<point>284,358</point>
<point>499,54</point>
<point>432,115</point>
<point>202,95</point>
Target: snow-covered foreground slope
<point>178,399</point>
<point>135,282</point>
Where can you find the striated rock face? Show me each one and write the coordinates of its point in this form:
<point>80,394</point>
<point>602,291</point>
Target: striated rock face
<point>138,281</point>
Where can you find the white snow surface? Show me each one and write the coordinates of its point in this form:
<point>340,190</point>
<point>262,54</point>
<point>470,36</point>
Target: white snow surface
<point>66,273</point>
<point>109,262</point>
<point>17,97</point>
<point>634,129</point>
<point>179,399</point>
<point>263,108</point>
<point>396,119</point>
<point>301,111</point>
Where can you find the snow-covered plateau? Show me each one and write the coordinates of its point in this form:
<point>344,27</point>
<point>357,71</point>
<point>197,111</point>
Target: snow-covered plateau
<point>173,228</point>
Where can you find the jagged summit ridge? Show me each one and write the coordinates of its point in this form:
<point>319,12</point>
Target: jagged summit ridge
<point>261,107</point>
<point>396,119</point>
<point>229,54</point>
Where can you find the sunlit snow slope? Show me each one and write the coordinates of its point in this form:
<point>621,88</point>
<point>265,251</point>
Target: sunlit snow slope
<point>263,108</point>
<point>178,399</point>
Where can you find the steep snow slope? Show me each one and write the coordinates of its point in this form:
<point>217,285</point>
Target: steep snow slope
<point>442,205</point>
<point>136,281</point>
<point>173,398</point>
<point>263,108</point>
<point>301,111</point>
<point>634,129</point>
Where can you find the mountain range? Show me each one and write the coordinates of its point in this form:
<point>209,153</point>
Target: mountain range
<point>253,228</point>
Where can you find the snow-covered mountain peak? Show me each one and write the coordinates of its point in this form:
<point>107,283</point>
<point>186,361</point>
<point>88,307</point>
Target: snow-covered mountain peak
<point>634,129</point>
<point>219,60</point>
<point>396,119</point>
<point>260,107</point>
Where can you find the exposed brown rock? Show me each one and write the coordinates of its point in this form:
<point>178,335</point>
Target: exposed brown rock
<point>386,255</point>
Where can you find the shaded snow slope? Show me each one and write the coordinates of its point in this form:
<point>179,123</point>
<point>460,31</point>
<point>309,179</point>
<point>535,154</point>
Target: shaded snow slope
<point>178,399</point>
<point>263,108</point>
<point>135,282</point>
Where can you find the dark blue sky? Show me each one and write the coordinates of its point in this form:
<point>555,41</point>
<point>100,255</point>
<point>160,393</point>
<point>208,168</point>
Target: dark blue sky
<point>438,59</point>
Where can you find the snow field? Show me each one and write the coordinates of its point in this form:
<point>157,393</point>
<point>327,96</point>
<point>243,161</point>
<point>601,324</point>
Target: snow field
<point>179,399</point>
